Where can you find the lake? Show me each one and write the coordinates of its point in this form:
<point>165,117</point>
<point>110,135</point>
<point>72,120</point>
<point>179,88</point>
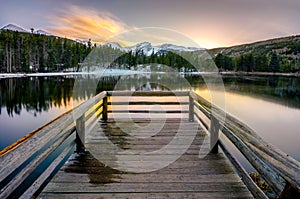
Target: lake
<point>268,104</point>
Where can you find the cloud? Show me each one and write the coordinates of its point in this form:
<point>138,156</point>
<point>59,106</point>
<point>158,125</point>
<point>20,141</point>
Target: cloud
<point>78,23</point>
<point>101,26</point>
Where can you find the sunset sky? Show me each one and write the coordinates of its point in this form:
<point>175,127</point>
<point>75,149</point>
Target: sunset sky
<point>209,23</point>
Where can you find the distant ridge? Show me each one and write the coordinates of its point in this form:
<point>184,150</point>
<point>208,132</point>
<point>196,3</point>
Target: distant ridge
<point>13,27</point>
<point>42,32</point>
<point>285,46</point>
<point>148,49</point>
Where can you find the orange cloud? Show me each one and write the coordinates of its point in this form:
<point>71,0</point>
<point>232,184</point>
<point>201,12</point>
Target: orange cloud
<point>81,23</point>
<point>77,23</point>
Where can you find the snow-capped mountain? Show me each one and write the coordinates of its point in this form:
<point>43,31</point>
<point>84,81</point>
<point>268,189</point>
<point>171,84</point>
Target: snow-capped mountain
<point>148,49</point>
<point>13,28</point>
<point>114,45</point>
<point>42,32</point>
<point>177,48</point>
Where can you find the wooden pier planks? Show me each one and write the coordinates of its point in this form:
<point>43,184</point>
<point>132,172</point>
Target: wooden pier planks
<point>190,176</point>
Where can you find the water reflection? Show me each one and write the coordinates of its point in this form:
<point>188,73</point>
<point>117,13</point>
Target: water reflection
<point>34,94</point>
<point>270,105</point>
<point>39,94</point>
<point>281,90</point>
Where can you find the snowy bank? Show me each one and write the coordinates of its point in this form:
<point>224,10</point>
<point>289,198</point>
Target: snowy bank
<point>107,72</point>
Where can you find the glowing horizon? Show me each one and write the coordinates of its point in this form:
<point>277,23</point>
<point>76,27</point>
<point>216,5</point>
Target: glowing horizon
<point>210,24</point>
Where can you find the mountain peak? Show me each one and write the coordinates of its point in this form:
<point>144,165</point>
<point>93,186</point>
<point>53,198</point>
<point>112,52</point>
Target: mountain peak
<point>13,27</point>
<point>42,32</point>
<point>114,45</point>
<point>148,49</point>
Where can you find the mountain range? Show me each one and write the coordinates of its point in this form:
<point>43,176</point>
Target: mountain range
<point>144,47</point>
<point>14,27</point>
<point>148,49</point>
<point>284,46</point>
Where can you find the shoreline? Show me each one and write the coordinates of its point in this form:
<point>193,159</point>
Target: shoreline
<point>260,74</point>
<point>102,73</point>
<point>131,72</point>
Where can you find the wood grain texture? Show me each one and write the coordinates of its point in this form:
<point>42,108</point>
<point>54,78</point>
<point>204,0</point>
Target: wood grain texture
<point>190,176</point>
<point>20,163</point>
<point>270,161</point>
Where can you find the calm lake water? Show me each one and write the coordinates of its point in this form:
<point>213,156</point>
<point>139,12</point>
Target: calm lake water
<point>270,105</point>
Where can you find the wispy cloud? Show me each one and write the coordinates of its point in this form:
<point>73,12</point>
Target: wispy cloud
<point>101,26</point>
<point>79,23</point>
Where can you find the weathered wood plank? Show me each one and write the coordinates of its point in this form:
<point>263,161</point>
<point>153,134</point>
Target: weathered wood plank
<point>63,176</point>
<point>46,174</point>
<point>255,190</point>
<point>31,166</point>
<point>20,162</point>
<point>258,164</point>
<point>148,93</point>
<point>86,106</point>
<point>279,163</point>
<point>9,162</point>
<point>104,112</point>
<point>146,103</point>
<point>145,120</point>
<point>201,120</point>
<point>194,173</point>
<point>148,111</point>
<point>80,133</point>
<point>143,187</point>
<point>214,134</point>
<point>18,155</point>
<point>191,109</point>
<point>93,109</point>
<point>202,195</point>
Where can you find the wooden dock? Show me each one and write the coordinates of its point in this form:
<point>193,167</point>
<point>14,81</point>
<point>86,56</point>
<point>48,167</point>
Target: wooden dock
<point>190,176</point>
<point>103,149</point>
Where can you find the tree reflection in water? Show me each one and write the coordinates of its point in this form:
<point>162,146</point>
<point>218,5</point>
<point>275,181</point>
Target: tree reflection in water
<point>39,94</point>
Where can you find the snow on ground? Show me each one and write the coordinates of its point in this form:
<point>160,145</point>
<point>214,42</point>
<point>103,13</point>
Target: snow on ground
<point>107,72</point>
<point>100,73</point>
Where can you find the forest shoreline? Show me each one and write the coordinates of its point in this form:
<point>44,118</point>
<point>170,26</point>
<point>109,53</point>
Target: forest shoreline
<point>241,73</point>
<point>118,72</point>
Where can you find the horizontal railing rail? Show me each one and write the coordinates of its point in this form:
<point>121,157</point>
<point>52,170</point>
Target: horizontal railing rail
<point>147,93</point>
<point>280,171</point>
<point>26,166</point>
<point>142,99</point>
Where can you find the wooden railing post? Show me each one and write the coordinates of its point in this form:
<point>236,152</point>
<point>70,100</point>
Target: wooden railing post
<point>289,192</point>
<point>214,134</point>
<point>104,112</point>
<point>191,109</point>
<point>80,134</point>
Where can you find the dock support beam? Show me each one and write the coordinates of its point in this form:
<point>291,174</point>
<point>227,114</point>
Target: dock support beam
<point>191,109</point>
<point>104,112</point>
<point>214,135</point>
<point>80,134</point>
<point>289,192</point>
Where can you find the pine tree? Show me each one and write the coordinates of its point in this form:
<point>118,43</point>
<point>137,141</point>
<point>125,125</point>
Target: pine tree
<point>274,63</point>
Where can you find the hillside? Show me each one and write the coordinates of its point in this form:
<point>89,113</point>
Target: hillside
<point>289,46</point>
<point>258,56</point>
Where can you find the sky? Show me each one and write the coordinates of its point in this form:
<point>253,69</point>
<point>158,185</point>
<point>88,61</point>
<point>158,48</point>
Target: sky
<point>205,23</point>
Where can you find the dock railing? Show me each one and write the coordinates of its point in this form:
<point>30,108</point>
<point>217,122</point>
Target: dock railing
<point>28,165</point>
<point>281,172</point>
